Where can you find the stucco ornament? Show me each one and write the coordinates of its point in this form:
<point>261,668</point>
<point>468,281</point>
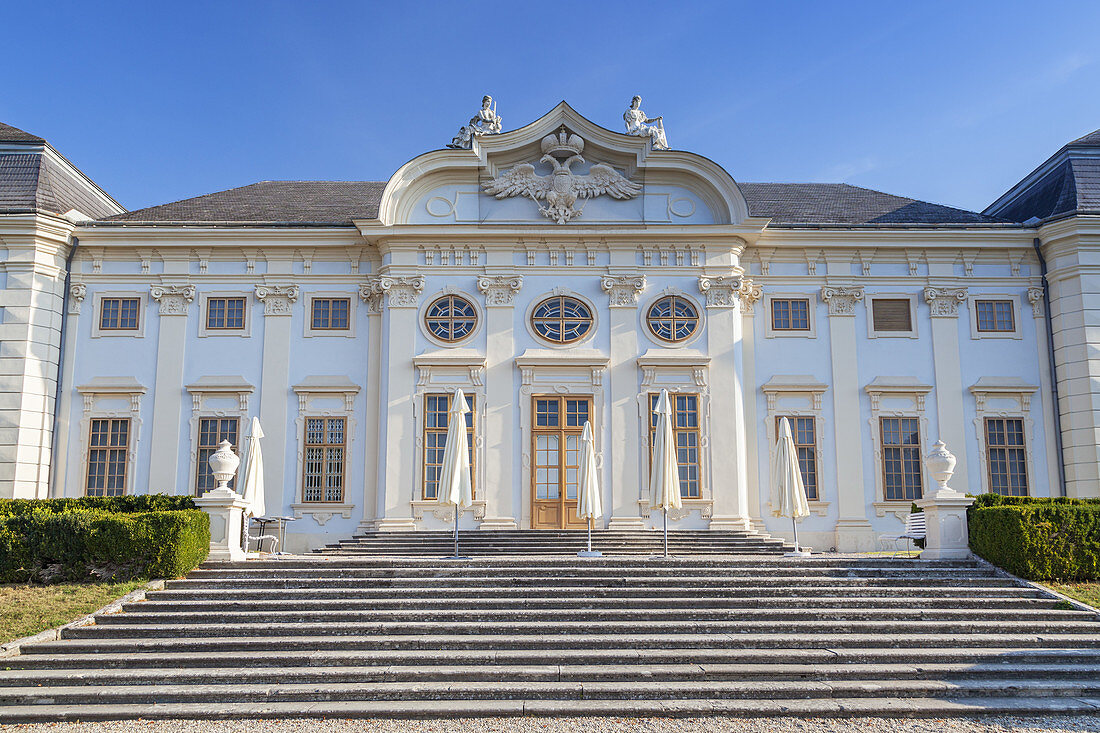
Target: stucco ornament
<point>277,299</point>
<point>77,293</point>
<point>721,292</point>
<point>485,122</point>
<point>640,125</point>
<point>842,301</point>
<point>562,187</point>
<point>623,290</point>
<point>173,299</point>
<point>400,292</point>
<point>944,302</point>
<point>500,290</point>
<point>749,293</point>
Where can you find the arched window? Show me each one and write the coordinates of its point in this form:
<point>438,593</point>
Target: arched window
<point>672,318</point>
<point>561,319</point>
<point>451,318</point>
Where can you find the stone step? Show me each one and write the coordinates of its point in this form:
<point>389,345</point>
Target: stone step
<point>221,592</point>
<point>570,560</point>
<point>826,659</point>
<point>572,617</point>
<point>536,690</point>
<point>922,707</point>
<point>116,641</point>
<point>159,604</point>
<point>595,573</point>
<point>89,677</point>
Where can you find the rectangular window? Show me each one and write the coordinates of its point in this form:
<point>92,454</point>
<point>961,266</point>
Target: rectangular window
<point>805,442</point>
<point>437,409</point>
<point>892,314</point>
<point>108,449</point>
<point>901,458</point>
<point>119,314</point>
<point>212,431</point>
<point>790,314</point>
<point>995,316</point>
<point>1005,451</point>
<point>331,314</point>
<point>685,431</point>
<point>225,313</point>
<point>325,445</point>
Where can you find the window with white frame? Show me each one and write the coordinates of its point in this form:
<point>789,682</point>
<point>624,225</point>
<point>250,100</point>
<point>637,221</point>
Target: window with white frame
<point>994,315</point>
<point>119,313</point>
<point>108,456</point>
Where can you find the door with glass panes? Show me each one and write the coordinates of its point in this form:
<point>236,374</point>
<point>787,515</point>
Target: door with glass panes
<point>556,447</point>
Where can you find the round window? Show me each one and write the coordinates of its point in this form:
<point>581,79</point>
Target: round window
<point>672,318</point>
<point>561,319</point>
<point>451,318</point>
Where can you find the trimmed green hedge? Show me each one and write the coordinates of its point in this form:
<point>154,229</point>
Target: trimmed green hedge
<point>1038,539</point>
<point>118,504</point>
<point>91,544</point>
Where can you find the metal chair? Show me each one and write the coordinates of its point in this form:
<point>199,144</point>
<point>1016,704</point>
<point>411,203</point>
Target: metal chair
<point>259,538</point>
<point>915,529</point>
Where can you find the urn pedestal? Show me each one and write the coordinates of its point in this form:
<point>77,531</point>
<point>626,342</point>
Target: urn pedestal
<point>944,511</point>
<point>225,507</point>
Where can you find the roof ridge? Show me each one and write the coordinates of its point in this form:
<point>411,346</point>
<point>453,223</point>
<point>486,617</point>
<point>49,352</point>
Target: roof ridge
<point>12,134</point>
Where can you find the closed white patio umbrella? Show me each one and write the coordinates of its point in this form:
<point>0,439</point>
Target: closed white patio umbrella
<point>664,474</point>
<point>589,505</point>
<point>788,494</point>
<point>455,484</point>
<point>252,484</point>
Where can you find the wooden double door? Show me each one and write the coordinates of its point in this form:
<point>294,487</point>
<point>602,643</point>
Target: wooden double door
<point>556,427</point>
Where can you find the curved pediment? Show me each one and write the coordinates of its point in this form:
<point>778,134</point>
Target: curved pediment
<point>561,170</point>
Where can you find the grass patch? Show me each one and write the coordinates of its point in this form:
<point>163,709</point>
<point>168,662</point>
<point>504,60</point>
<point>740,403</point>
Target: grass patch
<point>28,609</point>
<point>1085,592</point>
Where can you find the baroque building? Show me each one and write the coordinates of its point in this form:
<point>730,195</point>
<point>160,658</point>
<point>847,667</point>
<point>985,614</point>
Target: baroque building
<point>557,273</point>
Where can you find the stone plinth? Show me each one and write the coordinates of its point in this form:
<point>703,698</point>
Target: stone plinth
<point>226,510</point>
<point>945,514</point>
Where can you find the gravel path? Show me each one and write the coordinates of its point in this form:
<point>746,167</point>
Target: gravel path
<point>587,725</point>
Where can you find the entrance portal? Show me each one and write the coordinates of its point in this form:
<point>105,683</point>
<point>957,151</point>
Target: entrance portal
<point>556,439</point>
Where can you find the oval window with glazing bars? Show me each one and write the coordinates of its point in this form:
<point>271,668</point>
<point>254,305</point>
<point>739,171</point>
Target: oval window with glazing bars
<point>672,318</point>
<point>451,318</point>
<point>561,319</point>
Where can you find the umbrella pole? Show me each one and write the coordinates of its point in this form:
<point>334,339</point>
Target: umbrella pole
<point>794,523</point>
<point>666,531</point>
<point>590,534</point>
<point>456,530</point>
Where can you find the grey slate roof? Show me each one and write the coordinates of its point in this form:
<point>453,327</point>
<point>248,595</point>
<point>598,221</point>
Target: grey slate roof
<point>1068,183</point>
<point>339,202</point>
<point>9,134</point>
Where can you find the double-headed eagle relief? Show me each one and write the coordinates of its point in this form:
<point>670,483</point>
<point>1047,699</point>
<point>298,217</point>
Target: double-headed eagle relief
<point>562,187</point>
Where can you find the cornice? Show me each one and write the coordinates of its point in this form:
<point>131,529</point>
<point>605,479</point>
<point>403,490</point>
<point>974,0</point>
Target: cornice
<point>926,238</point>
<point>187,236</point>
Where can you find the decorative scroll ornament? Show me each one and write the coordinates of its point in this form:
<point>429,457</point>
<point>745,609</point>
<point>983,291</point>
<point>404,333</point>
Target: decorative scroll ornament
<point>562,187</point>
<point>638,124</point>
<point>173,299</point>
<point>623,290</point>
<point>485,122</point>
<point>842,301</point>
<point>400,292</point>
<point>749,294</point>
<point>944,302</point>
<point>721,291</point>
<point>277,299</point>
<point>77,293</point>
<point>1035,297</point>
<point>500,290</point>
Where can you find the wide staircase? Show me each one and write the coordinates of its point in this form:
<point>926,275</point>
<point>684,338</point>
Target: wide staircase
<point>349,636</point>
<point>551,542</point>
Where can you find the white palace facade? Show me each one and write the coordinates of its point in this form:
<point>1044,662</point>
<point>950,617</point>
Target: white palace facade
<point>556,273</point>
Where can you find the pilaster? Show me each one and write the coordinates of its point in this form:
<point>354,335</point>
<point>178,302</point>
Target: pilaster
<point>164,465</point>
<point>750,293</point>
<point>728,450</point>
<point>278,300</point>
<point>853,530</point>
<point>372,358</point>
<point>621,482</point>
<point>944,305</point>
<point>503,506</point>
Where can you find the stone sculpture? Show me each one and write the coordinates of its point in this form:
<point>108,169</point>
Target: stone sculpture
<point>485,122</point>
<point>638,124</point>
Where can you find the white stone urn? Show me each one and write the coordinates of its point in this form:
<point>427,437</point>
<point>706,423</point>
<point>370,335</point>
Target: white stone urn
<point>224,464</point>
<point>941,465</point>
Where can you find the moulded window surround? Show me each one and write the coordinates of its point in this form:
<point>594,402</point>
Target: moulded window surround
<point>873,329</point>
<point>799,397</point>
<point>108,452</point>
<point>451,312</point>
<point>994,309</point>
<point>644,319</point>
<point>330,314</point>
<point>215,398</point>
<point>790,315</point>
<point>107,401</point>
<point>1004,403</point>
<point>551,319</point>
<point>325,430</point>
<point>899,434</point>
<point>673,319</point>
<point>437,414</point>
<point>225,315</point>
<point>114,298</point>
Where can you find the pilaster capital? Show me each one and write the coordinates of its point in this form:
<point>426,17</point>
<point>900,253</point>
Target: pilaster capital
<point>721,291</point>
<point>77,293</point>
<point>842,300</point>
<point>944,302</point>
<point>500,290</point>
<point>277,299</point>
<point>749,293</point>
<point>173,299</point>
<point>400,292</point>
<point>623,290</point>
<point>371,295</point>
<point>1035,297</point>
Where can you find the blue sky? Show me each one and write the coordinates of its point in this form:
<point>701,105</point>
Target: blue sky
<point>950,102</point>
